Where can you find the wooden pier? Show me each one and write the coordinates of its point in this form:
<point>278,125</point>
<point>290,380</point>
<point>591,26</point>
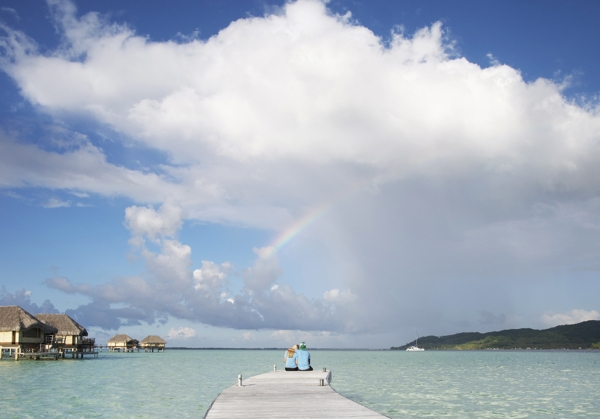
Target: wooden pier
<point>13,352</point>
<point>290,395</point>
<point>36,355</point>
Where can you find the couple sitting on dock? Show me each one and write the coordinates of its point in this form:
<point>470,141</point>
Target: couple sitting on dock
<point>297,358</point>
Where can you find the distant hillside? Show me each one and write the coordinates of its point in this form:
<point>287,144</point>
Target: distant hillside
<point>585,335</point>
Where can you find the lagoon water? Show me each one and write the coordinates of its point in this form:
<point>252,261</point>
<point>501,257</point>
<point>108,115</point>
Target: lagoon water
<point>183,383</point>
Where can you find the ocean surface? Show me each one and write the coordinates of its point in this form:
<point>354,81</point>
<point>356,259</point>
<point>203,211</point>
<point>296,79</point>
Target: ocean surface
<point>183,383</point>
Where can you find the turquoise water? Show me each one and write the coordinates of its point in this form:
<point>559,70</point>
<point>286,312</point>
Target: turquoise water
<point>182,384</point>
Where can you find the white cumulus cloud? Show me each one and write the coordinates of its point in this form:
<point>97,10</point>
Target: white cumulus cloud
<point>571,317</point>
<point>146,221</point>
<point>313,96</point>
<point>181,333</point>
<point>211,275</point>
<point>337,296</point>
<point>265,271</point>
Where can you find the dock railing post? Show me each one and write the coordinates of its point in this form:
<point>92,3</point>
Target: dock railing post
<point>324,369</point>
<point>240,380</point>
<point>321,382</point>
<point>275,368</point>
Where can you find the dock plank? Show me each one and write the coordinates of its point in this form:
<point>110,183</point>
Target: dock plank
<point>286,394</point>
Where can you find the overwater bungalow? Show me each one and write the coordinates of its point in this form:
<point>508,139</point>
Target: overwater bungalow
<point>122,343</point>
<point>152,342</point>
<point>22,332</point>
<point>70,335</point>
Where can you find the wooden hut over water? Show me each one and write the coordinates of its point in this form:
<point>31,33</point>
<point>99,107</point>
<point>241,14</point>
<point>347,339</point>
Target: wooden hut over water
<point>149,343</point>
<point>22,332</point>
<point>70,335</point>
<point>122,343</point>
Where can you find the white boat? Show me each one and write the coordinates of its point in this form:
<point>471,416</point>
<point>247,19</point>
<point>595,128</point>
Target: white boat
<point>415,348</point>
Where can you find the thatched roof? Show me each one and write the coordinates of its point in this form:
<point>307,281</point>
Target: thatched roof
<point>153,339</point>
<point>65,325</point>
<point>14,318</point>
<point>122,338</point>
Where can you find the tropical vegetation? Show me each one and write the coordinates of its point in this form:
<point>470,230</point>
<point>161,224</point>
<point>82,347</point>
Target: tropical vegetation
<point>585,335</point>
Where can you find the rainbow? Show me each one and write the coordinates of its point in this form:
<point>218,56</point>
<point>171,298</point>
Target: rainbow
<point>298,226</point>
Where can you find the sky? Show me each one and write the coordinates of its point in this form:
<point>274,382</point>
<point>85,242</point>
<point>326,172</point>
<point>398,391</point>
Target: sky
<point>259,173</point>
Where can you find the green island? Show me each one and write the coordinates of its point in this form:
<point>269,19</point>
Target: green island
<point>584,335</point>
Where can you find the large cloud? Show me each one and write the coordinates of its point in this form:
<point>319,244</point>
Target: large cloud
<point>306,91</point>
<point>436,171</point>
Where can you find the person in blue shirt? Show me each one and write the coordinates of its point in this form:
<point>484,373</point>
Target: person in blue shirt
<point>303,358</point>
<point>291,359</point>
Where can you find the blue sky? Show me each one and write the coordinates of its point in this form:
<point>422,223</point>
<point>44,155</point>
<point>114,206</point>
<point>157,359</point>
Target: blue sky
<point>255,173</point>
